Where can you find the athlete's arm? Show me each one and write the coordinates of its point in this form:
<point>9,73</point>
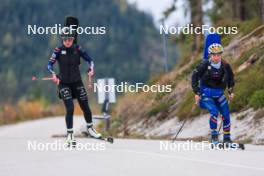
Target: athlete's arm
<point>197,74</point>
<point>230,81</point>
<point>86,58</point>
<point>53,60</point>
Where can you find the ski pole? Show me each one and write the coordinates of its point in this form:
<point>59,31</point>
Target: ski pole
<point>220,126</point>
<point>34,78</point>
<point>183,123</point>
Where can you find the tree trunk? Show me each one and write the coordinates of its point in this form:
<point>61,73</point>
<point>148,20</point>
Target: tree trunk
<point>242,10</point>
<point>261,3</point>
<point>196,20</point>
<point>239,9</point>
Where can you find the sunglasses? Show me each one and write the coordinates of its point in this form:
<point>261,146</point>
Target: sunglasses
<point>68,38</point>
<point>216,54</point>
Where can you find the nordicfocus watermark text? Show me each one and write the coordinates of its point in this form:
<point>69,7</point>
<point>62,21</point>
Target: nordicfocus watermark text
<point>58,145</point>
<point>138,87</point>
<point>204,29</point>
<point>195,146</point>
<point>59,29</point>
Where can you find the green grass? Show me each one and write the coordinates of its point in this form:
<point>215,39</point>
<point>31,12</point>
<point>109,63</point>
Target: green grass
<point>116,124</point>
<point>160,95</point>
<point>185,107</point>
<point>257,99</point>
<point>244,28</point>
<point>244,57</point>
<point>154,79</point>
<point>189,70</point>
<point>250,81</point>
<point>162,106</point>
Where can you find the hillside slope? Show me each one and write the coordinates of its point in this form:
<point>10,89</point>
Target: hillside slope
<point>159,114</point>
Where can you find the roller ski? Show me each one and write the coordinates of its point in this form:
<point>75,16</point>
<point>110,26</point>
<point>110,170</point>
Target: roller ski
<point>71,142</point>
<point>227,143</point>
<point>106,139</point>
<point>232,145</point>
<point>91,132</point>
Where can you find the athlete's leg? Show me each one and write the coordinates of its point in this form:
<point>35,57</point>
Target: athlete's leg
<point>69,114</point>
<point>82,98</point>
<point>224,110</point>
<point>209,104</point>
<point>66,95</point>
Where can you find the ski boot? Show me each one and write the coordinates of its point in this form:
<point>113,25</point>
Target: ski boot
<point>226,138</point>
<point>92,132</point>
<point>227,142</point>
<point>71,142</point>
<point>214,139</point>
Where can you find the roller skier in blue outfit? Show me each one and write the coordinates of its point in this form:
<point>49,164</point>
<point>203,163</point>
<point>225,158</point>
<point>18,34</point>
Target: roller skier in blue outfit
<point>209,81</point>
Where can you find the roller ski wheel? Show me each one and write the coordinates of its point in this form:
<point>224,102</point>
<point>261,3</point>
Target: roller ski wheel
<point>233,145</point>
<point>71,143</point>
<point>223,145</point>
<point>106,139</point>
<point>91,132</point>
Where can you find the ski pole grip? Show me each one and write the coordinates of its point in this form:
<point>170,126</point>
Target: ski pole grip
<point>90,81</point>
<point>46,78</point>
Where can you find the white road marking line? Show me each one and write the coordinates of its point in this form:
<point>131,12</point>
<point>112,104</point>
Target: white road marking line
<point>191,159</point>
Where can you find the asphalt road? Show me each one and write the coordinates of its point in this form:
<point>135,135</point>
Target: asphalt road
<point>26,150</point>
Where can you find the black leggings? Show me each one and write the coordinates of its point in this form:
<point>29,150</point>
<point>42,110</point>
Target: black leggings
<point>67,93</point>
<point>70,110</point>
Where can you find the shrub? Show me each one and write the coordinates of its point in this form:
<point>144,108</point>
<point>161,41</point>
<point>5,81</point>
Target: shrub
<point>248,82</point>
<point>257,99</point>
<point>163,106</point>
<point>185,107</point>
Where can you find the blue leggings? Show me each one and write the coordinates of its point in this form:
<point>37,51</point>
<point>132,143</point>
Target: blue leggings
<point>216,106</point>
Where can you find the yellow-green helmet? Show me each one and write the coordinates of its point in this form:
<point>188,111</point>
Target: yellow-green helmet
<point>215,48</point>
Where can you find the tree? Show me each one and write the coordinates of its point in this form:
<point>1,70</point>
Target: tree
<point>238,9</point>
<point>196,20</point>
<point>261,3</point>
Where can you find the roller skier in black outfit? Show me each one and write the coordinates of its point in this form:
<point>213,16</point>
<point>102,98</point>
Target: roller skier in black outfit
<point>69,81</point>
